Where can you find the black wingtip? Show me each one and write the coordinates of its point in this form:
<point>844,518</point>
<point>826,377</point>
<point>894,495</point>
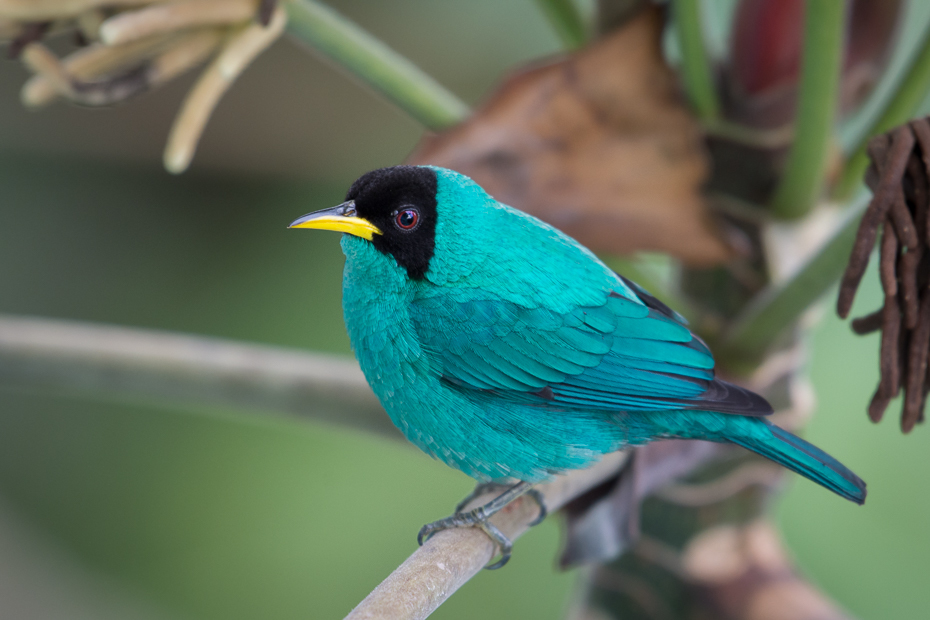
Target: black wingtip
<point>724,397</point>
<point>652,302</point>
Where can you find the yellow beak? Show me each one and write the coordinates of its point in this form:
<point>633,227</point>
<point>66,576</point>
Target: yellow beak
<point>341,218</point>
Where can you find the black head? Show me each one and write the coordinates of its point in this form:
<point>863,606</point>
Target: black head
<point>401,202</point>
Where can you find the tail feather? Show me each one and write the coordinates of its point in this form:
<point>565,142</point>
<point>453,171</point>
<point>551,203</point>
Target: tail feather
<point>806,459</point>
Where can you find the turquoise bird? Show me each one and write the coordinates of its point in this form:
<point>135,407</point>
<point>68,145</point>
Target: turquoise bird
<point>506,349</point>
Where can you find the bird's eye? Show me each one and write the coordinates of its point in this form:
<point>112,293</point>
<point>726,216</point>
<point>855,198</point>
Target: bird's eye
<point>407,219</point>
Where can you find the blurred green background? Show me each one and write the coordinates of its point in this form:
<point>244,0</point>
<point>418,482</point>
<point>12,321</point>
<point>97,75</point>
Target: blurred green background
<point>135,510</point>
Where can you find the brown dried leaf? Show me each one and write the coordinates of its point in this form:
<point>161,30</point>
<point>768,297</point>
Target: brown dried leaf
<point>598,144</point>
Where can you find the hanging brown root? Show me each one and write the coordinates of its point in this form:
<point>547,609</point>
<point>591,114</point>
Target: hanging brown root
<point>890,163</point>
<point>867,324</point>
<point>900,206</point>
<point>917,369</point>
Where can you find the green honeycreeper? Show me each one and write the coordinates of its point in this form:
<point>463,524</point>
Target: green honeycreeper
<point>506,349</point>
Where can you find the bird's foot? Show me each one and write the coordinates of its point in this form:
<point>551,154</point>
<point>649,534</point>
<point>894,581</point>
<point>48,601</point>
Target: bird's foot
<point>482,488</point>
<point>479,516</point>
<point>472,518</point>
<point>541,502</point>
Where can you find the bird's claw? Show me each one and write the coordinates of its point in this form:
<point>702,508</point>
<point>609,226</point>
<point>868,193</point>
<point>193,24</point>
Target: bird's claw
<point>473,518</point>
<point>479,516</point>
<point>541,502</point>
<point>487,487</point>
<point>504,544</point>
<point>480,489</point>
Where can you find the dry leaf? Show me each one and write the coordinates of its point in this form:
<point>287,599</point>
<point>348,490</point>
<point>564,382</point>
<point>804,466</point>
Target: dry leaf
<point>599,144</point>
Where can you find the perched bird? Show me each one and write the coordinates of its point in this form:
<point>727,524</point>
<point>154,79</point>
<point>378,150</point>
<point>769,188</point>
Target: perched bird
<point>506,349</point>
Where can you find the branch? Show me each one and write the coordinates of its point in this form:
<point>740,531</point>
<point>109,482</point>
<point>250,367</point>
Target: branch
<point>776,308</point>
<point>899,109</point>
<point>695,64</point>
<point>186,370</point>
<point>375,64</point>
<point>451,557</point>
<point>824,25</point>
<point>566,20</point>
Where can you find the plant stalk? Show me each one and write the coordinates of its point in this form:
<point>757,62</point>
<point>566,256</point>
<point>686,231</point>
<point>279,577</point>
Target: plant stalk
<point>824,26</point>
<point>779,306</point>
<point>566,20</point>
<point>374,63</point>
<point>695,64</point>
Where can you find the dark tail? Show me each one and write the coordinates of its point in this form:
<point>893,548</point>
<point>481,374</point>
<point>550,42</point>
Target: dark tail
<point>807,460</point>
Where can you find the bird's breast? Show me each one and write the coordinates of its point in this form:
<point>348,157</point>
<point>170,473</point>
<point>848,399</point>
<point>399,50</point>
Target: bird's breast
<point>376,298</point>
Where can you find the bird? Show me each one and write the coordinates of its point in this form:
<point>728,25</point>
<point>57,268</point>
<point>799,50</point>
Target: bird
<point>507,350</point>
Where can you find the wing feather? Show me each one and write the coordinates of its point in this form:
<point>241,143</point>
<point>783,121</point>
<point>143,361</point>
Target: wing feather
<point>624,355</point>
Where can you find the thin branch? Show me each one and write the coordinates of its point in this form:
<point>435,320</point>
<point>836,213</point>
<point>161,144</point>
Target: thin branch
<point>753,473</point>
<point>776,308</point>
<point>566,20</point>
<point>186,370</point>
<point>767,139</point>
<point>451,557</point>
<point>824,24</point>
<point>695,64</point>
<point>899,109</point>
<point>377,65</point>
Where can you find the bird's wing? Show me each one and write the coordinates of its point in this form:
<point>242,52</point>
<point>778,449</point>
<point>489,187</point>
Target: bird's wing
<point>647,298</point>
<point>620,356</point>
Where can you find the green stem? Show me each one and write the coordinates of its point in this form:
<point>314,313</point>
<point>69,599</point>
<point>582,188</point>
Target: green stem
<point>695,64</point>
<point>377,65</point>
<point>899,109</point>
<point>824,25</point>
<point>566,20</point>
<point>779,306</point>
<point>769,139</point>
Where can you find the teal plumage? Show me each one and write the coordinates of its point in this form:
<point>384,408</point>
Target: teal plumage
<point>506,349</point>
